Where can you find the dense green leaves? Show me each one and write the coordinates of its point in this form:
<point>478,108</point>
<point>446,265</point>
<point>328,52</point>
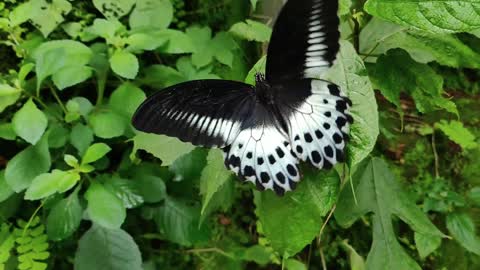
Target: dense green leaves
<point>303,209</point>
<point>349,73</point>
<point>435,16</point>
<point>102,248</point>
<point>378,192</point>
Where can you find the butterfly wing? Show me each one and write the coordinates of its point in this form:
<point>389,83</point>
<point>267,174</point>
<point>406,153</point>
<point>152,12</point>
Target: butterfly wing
<point>261,153</point>
<point>304,41</point>
<point>205,112</point>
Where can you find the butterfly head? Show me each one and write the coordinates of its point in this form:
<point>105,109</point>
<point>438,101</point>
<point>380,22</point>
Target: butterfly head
<point>263,89</point>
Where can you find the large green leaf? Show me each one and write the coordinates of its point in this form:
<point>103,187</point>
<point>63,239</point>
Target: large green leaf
<point>168,149</point>
<point>379,36</point>
<point>378,192</point>
<point>64,218</point>
<point>291,222</point>
<point>439,16</point>
<point>396,72</point>
<point>104,208</point>
<point>29,122</point>
<point>350,74</point>
<point>151,14</point>
<point>101,249</point>
<point>462,228</point>
<point>26,165</point>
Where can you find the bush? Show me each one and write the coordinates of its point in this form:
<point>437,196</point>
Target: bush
<point>80,188</point>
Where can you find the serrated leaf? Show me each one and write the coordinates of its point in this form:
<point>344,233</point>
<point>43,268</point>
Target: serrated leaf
<point>252,31</point>
<point>213,176</point>
<point>29,122</point>
<point>114,8</point>
<point>378,192</point>
<point>441,16</point>
<point>104,208</point>
<point>462,228</point>
<point>101,248</point>
<point>26,165</point>
<point>168,149</point>
<point>95,152</point>
<point>151,14</point>
<point>350,74</point>
<point>124,64</point>
<point>64,218</point>
<point>457,132</point>
<point>303,208</point>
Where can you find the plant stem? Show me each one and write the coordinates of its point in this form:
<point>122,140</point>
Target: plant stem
<point>59,101</point>
<point>435,156</point>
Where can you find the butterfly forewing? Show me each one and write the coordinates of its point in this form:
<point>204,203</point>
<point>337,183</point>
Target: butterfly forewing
<point>304,41</point>
<point>206,112</point>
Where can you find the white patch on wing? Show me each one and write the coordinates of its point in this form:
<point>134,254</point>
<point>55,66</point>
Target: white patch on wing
<point>318,128</point>
<point>262,155</point>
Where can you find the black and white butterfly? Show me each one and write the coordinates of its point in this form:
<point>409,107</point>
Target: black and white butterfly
<point>287,117</point>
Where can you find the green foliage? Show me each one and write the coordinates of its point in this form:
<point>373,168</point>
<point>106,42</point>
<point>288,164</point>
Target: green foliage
<point>98,194</point>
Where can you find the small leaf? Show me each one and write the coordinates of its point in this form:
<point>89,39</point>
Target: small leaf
<point>7,132</point>
<point>426,244</point>
<point>113,9</point>
<point>45,185</point>
<point>26,165</point>
<point>64,218</point>
<point>168,149</point>
<point>101,248</point>
<point>126,99</point>
<point>29,122</point>
<point>457,133</point>
<point>462,228</point>
<point>104,208</point>
<point>356,261</point>
<point>252,30</point>
<point>81,137</point>
<point>8,96</point>
<point>147,41</point>
<point>5,190</point>
<point>178,42</point>
<point>213,176</point>
<point>258,254</point>
<point>124,64</point>
<point>292,264</point>
<point>107,124</point>
<point>105,28</point>
<point>151,14</point>
<point>95,152</point>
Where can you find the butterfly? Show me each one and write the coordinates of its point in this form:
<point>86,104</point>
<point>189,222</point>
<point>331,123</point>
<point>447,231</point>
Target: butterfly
<point>287,117</point>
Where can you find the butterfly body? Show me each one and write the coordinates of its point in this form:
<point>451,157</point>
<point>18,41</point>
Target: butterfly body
<point>289,115</point>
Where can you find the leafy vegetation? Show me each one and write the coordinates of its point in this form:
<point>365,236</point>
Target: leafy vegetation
<point>81,189</point>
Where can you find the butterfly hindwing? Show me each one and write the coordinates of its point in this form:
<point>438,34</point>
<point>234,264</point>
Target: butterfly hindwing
<point>304,41</point>
<point>206,112</point>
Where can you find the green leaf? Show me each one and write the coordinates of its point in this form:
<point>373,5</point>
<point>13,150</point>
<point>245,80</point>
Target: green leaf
<point>124,64</point>
<point>28,164</point>
<point>190,72</point>
<point>126,99</point>
<point>356,261</point>
<point>213,176</point>
<point>180,223</point>
<point>151,14</point>
<point>7,132</point>
<point>462,228</point>
<point>441,16</point>
<point>188,166</point>
<point>104,208</point>
<point>107,124</point>
<point>168,149</point>
<point>474,195</point>
<point>105,28</point>
<point>72,53</point>
<point>292,264</point>
<point>125,190</point>
<point>254,3</point>
<point>113,9</point>
<point>379,36</point>
<point>64,218</point>
<point>252,31</point>
<point>344,7</point>
<point>57,136</point>
<point>378,192</point>
<point>81,137</point>
<point>426,244</point>
<point>70,76</point>
<point>147,41</point>
<point>160,76</point>
<point>150,187</point>
<point>396,72</point>
<point>178,42</point>
<point>44,15</point>
<point>259,67</point>
<point>29,122</point>
<point>258,254</point>
<point>457,133</point>
<point>303,208</point>
<point>47,184</point>
<point>206,48</point>
<point>350,74</point>
<point>102,248</point>
<point>5,190</point>
<point>8,96</point>
<point>95,152</point>
<point>71,161</point>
